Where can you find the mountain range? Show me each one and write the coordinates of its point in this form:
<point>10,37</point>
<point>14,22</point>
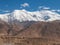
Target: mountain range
<point>22,27</point>
<point>38,23</point>
<point>23,15</point>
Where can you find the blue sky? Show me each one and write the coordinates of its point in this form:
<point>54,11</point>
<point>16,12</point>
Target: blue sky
<point>30,5</point>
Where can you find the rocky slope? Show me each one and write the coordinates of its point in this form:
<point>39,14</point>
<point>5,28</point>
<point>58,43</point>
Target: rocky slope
<point>36,29</point>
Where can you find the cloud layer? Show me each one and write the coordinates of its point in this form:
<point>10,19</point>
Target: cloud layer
<point>25,5</point>
<point>43,7</point>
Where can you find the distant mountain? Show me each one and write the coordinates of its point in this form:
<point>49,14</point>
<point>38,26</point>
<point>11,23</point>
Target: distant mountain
<point>19,21</point>
<point>23,15</point>
<point>35,28</point>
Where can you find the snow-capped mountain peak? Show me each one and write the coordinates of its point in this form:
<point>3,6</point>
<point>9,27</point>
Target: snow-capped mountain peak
<point>23,15</point>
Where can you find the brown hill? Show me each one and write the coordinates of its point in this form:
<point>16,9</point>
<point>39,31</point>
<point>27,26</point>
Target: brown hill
<point>38,29</point>
<point>34,33</point>
<point>44,29</point>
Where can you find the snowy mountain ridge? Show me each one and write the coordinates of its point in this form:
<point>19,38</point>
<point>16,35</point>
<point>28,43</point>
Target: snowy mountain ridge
<point>23,15</point>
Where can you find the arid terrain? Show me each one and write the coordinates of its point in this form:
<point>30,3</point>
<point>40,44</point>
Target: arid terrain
<point>38,33</point>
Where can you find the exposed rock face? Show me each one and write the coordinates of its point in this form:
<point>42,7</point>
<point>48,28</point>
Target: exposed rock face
<point>37,29</point>
<point>42,29</point>
<point>30,33</point>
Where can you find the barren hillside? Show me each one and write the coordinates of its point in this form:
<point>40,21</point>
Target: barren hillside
<point>38,33</point>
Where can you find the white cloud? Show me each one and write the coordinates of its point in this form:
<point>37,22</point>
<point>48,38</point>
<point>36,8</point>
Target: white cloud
<point>43,7</point>
<point>58,10</point>
<point>20,7</point>
<point>46,8</point>
<point>53,10</point>
<point>25,5</point>
<point>40,7</point>
<point>4,10</point>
